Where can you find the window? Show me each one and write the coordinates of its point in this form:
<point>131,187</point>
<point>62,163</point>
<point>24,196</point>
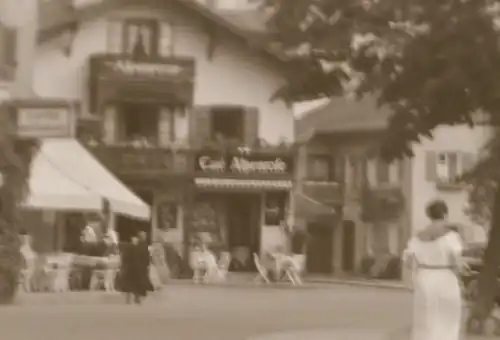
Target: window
<point>382,171</point>
<point>447,166</point>
<point>140,122</point>
<point>319,168</point>
<point>167,216</point>
<point>275,205</point>
<point>227,123</point>
<point>141,37</point>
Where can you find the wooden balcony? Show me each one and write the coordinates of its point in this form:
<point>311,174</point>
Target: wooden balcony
<point>143,162</point>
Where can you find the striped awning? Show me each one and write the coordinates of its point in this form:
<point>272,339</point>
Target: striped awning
<point>231,183</point>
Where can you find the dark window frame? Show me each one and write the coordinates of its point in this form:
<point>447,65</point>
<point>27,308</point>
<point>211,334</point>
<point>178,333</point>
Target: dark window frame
<point>235,111</point>
<point>152,24</point>
<point>123,112</point>
<point>382,172</point>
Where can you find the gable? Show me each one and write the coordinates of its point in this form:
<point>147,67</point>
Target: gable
<point>57,16</point>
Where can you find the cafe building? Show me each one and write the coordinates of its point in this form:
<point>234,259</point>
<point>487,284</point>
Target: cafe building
<point>175,102</point>
<point>241,198</point>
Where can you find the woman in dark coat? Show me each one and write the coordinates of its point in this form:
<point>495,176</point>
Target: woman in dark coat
<point>135,276</point>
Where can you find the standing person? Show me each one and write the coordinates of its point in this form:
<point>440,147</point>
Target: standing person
<point>434,256</point>
<point>134,276</point>
<point>145,260</point>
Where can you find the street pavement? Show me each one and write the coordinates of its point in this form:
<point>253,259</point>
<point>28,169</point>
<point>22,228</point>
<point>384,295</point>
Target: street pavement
<point>215,313</point>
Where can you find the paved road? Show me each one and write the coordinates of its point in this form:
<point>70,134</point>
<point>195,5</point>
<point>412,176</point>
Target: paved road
<point>218,313</point>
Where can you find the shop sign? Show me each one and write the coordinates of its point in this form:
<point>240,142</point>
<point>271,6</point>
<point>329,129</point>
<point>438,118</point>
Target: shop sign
<point>243,165</point>
<point>44,122</point>
<point>142,69</point>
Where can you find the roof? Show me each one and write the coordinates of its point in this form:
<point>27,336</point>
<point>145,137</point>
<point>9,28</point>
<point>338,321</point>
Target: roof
<point>56,15</point>
<point>249,20</point>
<point>342,115</point>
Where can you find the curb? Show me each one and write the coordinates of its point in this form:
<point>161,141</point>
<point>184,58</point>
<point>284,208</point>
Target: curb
<point>308,284</point>
<point>359,283</point>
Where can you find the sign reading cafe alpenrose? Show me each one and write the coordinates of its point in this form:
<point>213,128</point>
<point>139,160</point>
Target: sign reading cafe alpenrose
<point>243,164</point>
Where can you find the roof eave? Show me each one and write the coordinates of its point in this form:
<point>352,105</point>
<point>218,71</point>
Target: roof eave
<point>249,37</point>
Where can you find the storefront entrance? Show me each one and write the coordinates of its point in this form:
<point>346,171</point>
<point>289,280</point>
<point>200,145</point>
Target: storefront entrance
<point>320,248</point>
<point>230,222</point>
<point>243,228</point>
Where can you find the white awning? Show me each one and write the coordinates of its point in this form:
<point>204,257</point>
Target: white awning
<point>230,183</point>
<point>65,176</point>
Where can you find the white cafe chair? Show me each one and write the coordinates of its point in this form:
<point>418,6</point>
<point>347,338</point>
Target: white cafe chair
<point>223,266</point>
<point>262,272</point>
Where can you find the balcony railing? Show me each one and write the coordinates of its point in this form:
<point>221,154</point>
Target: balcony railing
<point>143,161</point>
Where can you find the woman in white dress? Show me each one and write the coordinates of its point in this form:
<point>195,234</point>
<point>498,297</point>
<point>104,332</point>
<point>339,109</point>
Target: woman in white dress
<point>434,256</point>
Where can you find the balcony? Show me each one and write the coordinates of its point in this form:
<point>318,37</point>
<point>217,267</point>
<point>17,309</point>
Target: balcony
<point>143,162</point>
<point>115,77</point>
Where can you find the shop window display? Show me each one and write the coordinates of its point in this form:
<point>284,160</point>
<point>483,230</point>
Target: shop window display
<point>274,211</point>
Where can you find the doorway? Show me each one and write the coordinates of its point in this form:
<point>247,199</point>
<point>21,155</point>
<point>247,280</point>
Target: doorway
<point>320,249</point>
<point>243,230</point>
<point>348,245</point>
<point>128,227</point>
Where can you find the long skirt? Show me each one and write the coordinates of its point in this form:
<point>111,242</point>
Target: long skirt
<point>437,305</point>
<point>135,281</point>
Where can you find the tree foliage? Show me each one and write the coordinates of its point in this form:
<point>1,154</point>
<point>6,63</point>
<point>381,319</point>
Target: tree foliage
<point>483,182</point>
<point>15,160</point>
<point>430,62</point>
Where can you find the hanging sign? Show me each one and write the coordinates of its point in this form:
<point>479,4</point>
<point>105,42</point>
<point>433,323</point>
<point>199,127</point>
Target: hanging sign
<point>42,118</point>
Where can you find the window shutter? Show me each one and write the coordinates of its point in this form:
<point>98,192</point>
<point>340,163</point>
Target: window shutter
<point>453,166</point>
<point>165,44</point>
<point>401,169</point>
<point>251,126</point>
<point>164,126</point>
<point>382,169</point>
<point>8,47</point>
<point>430,166</point>
<point>339,163</point>
<point>468,160</point>
<point>200,125</point>
<point>115,36</point>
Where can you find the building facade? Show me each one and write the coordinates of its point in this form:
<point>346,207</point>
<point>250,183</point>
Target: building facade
<point>185,117</point>
<point>382,204</point>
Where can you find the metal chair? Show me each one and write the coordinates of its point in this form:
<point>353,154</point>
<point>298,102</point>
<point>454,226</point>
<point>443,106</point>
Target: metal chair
<point>263,273</point>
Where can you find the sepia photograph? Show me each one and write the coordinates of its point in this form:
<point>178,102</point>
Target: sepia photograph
<point>250,169</point>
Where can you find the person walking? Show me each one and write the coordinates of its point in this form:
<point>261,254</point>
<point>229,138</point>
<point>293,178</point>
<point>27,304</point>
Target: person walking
<point>434,257</point>
<point>134,276</point>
